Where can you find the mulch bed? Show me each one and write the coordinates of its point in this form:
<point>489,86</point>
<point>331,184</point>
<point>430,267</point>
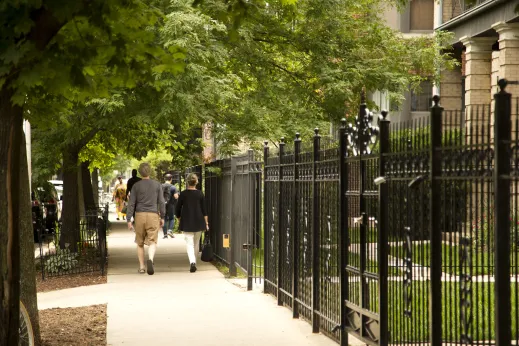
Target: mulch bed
<point>74,326</point>
<point>69,281</point>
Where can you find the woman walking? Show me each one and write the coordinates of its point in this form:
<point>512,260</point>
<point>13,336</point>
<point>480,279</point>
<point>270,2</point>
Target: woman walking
<point>119,196</point>
<point>192,216</point>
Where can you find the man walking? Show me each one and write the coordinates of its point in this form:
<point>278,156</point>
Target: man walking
<point>170,194</point>
<point>131,182</point>
<point>147,202</point>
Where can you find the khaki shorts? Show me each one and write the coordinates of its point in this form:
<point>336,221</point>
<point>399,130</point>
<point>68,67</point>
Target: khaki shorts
<point>147,226</point>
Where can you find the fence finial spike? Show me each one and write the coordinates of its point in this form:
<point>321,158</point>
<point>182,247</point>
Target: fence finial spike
<point>384,114</point>
<point>298,136</point>
<point>436,100</point>
<point>502,84</point>
<point>283,140</point>
<point>266,143</point>
<point>343,123</point>
<point>316,131</point>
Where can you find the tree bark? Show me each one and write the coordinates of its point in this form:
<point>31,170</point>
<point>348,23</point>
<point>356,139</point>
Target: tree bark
<point>27,270</point>
<point>81,200</point>
<point>95,185</point>
<point>88,191</point>
<point>70,215</point>
<point>11,118</point>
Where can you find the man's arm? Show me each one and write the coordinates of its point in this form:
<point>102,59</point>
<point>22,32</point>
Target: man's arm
<point>130,209</point>
<point>162,204</point>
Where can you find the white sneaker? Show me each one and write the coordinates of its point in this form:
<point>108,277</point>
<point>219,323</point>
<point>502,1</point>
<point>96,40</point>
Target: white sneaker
<point>170,233</point>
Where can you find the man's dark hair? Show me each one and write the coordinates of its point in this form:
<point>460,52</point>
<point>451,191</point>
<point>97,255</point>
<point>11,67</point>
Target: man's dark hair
<point>168,177</point>
<point>134,172</point>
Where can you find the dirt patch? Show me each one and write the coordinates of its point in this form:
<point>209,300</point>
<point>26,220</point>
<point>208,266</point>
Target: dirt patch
<point>69,281</point>
<point>74,326</point>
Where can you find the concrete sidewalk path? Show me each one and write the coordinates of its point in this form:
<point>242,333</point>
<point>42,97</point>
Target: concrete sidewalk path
<point>176,307</point>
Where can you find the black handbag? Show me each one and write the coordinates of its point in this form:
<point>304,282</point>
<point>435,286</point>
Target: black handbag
<point>207,250</point>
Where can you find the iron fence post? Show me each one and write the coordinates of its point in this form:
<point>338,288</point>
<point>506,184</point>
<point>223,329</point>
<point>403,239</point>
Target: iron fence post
<point>383,230</point>
<point>280,201</point>
<point>232,231</point>
<point>251,192</point>
<point>502,138</point>
<point>315,235</point>
<point>343,231</point>
<point>295,229</point>
<point>435,301</point>
<point>265,216</point>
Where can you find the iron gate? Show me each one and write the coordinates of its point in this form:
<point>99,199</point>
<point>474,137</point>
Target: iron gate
<point>361,207</point>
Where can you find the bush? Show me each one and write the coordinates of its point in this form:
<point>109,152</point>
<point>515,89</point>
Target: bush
<point>63,260</point>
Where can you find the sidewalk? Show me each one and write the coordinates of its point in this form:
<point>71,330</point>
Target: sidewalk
<point>175,307</point>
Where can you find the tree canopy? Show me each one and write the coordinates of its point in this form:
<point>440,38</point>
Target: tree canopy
<point>101,78</point>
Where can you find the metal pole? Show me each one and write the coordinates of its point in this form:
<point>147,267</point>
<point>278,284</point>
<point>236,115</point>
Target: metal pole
<point>232,219</point>
<point>250,193</point>
<point>315,236</point>
<point>265,215</point>
<point>295,229</point>
<point>280,202</point>
<point>435,301</point>
<point>343,230</point>
<point>502,138</point>
<point>383,230</point>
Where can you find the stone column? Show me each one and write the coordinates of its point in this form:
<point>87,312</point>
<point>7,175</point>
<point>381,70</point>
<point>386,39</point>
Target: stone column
<point>494,75</point>
<point>508,54</point>
<point>450,89</point>
<point>478,57</point>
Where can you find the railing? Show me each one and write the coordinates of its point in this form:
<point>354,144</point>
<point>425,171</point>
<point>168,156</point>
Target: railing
<point>459,7</point>
<point>89,254</point>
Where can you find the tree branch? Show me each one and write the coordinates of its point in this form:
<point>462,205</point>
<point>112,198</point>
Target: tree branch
<point>87,138</point>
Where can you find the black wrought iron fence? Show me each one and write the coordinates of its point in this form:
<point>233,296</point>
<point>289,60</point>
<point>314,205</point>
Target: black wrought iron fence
<point>406,241</point>
<point>232,189</point>
<point>411,239</point>
<point>90,254</point>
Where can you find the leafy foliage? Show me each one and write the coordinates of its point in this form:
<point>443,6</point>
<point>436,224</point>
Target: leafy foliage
<point>62,261</point>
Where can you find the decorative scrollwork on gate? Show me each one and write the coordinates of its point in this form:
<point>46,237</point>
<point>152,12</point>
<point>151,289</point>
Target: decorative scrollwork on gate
<point>408,276</point>
<point>328,249</point>
<point>287,253</point>
<point>466,291</point>
<point>272,234</point>
<point>306,264</point>
<point>362,135</point>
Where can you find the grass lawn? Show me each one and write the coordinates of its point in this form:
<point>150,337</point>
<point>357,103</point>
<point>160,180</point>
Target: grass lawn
<point>414,328</point>
<point>482,263</point>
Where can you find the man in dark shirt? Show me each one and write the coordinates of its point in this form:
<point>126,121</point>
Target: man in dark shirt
<point>169,221</point>
<point>147,201</point>
<point>131,182</point>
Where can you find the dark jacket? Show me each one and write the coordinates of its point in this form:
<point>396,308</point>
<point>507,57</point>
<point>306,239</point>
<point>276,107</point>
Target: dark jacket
<point>130,184</point>
<point>191,210</point>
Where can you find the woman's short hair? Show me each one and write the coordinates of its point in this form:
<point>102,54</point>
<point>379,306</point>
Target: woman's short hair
<point>145,169</point>
<point>192,179</point>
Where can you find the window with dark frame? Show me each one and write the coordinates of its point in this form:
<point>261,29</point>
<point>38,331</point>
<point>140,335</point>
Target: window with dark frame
<point>421,101</point>
<point>421,15</point>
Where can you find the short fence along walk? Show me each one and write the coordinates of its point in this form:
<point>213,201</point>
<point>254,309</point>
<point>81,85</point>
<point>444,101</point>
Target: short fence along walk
<point>404,233</point>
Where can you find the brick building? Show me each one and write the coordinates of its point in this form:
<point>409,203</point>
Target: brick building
<point>486,42</point>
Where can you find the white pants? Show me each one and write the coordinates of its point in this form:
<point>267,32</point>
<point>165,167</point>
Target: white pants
<point>192,245</point>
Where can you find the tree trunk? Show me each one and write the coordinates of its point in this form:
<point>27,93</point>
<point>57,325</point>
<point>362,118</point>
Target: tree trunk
<point>81,200</point>
<point>27,270</point>
<point>88,191</point>
<point>95,185</point>
<point>10,138</point>
<point>70,215</point>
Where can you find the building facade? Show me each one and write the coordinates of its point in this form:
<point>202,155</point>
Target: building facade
<point>418,18</point>
<point>486,42</point>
